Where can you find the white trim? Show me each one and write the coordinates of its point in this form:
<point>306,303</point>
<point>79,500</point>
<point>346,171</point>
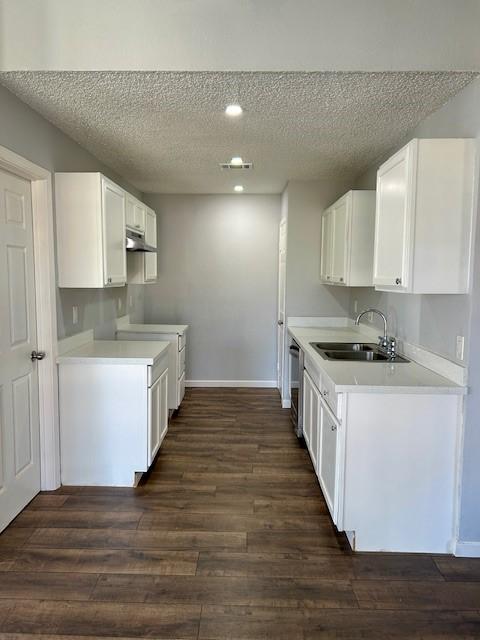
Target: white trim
<point>286,404</point>
<point>267,384</point>
<point>466,549</point>
<point>321,321</point>
<point>45,290</point>
<point>75,341</point>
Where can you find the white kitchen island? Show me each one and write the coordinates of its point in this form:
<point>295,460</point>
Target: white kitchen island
<point>384,440</point>
<point>113,399</point>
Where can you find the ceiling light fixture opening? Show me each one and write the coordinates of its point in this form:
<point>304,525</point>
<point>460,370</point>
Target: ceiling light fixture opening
<point>238,188</point>
<point>233,110</point>
<point>236,161</point>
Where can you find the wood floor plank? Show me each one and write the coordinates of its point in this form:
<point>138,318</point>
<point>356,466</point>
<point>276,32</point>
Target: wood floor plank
<point>252,591</point>
<point>394,566</point>
<point>13,538</point>
<point>126,539</point>
<point>47,501</point>
<point>457,596</point>
<point>46,586</point>
<point>295,542</point>
<point>459,569</point>
<point>271,565</point>
<point>101,619</point>
<point>63,518</point>
<point>259,623</point>
<point>232,522</point>
<point>143,561</point>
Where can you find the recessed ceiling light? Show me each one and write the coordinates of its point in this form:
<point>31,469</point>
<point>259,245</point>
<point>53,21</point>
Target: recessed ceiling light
<point>236,161</point>
<point>238,188</point>
<point>234,110</point>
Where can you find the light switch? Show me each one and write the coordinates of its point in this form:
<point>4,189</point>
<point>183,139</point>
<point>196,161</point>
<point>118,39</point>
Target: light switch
<point>370,316</point>
<point>460,347</point>
<point>355,306</point>
<point>130,301</point>
<point>74,314</point>
<point>119,304</point>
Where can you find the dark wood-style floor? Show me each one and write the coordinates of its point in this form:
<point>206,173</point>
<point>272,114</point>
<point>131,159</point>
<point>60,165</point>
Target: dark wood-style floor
<point>228,537</point>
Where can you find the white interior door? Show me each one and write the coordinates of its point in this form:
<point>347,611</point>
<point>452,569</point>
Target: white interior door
<point>19,421</point>
<point>281,328</point>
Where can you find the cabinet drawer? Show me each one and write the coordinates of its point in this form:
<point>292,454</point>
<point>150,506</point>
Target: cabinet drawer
<point>155,371</point>
<point>181,362</point>
<point>182,341</point>
<point>327,389</point>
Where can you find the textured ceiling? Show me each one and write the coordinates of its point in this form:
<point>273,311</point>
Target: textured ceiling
<point>166,131</point>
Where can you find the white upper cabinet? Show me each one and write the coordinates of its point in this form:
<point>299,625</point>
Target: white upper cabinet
<point>327,246</point>
<point>347,240</point>
<point>424,217</point>
<point>142,267</point>
<point>90,223</point>
<point>135,214</point>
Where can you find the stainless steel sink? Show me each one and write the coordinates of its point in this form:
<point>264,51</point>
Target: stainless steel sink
<point>354,352</point>
<point>343,346</point>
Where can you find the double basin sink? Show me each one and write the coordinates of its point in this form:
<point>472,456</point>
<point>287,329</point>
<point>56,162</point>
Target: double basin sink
<point>354,352</point>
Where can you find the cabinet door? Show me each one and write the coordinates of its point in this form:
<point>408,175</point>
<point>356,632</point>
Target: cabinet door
<point>130,211</point>
<point>311,426</point>
<point>339,242</point>
<point>328,457</point>
<point>393,221</point>
<point>113,220</point>
<point>326,249</point>
<point>151,239</point>
<point>307,408</point>
<point>150,228</point>
<point>157,415</point>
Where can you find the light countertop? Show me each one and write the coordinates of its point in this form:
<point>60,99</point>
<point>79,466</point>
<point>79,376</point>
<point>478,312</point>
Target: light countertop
<point>370,377</point>
<point>115,352</point>
<point>154,328</point>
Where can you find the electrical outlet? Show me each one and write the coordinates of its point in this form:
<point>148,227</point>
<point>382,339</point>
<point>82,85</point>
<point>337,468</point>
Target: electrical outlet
<point>370,316</point>
<point>355,306</point>
<point>130,301</point>
<point>119,304</point>
<point>460,351</point>
<point>74,314</point>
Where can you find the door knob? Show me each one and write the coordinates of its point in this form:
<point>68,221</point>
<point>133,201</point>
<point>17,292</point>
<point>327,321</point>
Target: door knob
<point>398,281</point>
<point>37,355</point>
<point>280,323</point>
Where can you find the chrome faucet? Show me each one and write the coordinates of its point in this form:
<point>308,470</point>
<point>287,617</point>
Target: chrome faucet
<point>384,342</point>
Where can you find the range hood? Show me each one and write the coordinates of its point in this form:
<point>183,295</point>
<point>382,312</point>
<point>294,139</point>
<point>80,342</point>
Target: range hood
<point>136,242</point>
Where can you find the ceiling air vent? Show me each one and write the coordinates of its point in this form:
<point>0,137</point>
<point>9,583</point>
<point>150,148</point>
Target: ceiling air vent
<point>234,165</point>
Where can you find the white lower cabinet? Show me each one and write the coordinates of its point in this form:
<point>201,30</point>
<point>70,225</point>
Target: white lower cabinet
<point>312,419</point>
<point>387,463</point>
<point>327,471</point>
<point>157,414</point>
<point>177,336</point>
<point>113,418</point>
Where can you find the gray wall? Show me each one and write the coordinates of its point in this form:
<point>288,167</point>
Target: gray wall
<point>218,273</point>
<point>306,296</point>
<point>216,35</point>
<point>434,321</point>
<point>24,131</point>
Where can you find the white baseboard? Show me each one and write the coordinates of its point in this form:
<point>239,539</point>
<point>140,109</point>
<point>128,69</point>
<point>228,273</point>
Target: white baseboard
<point>464,549</point>
<point>268,384</point>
